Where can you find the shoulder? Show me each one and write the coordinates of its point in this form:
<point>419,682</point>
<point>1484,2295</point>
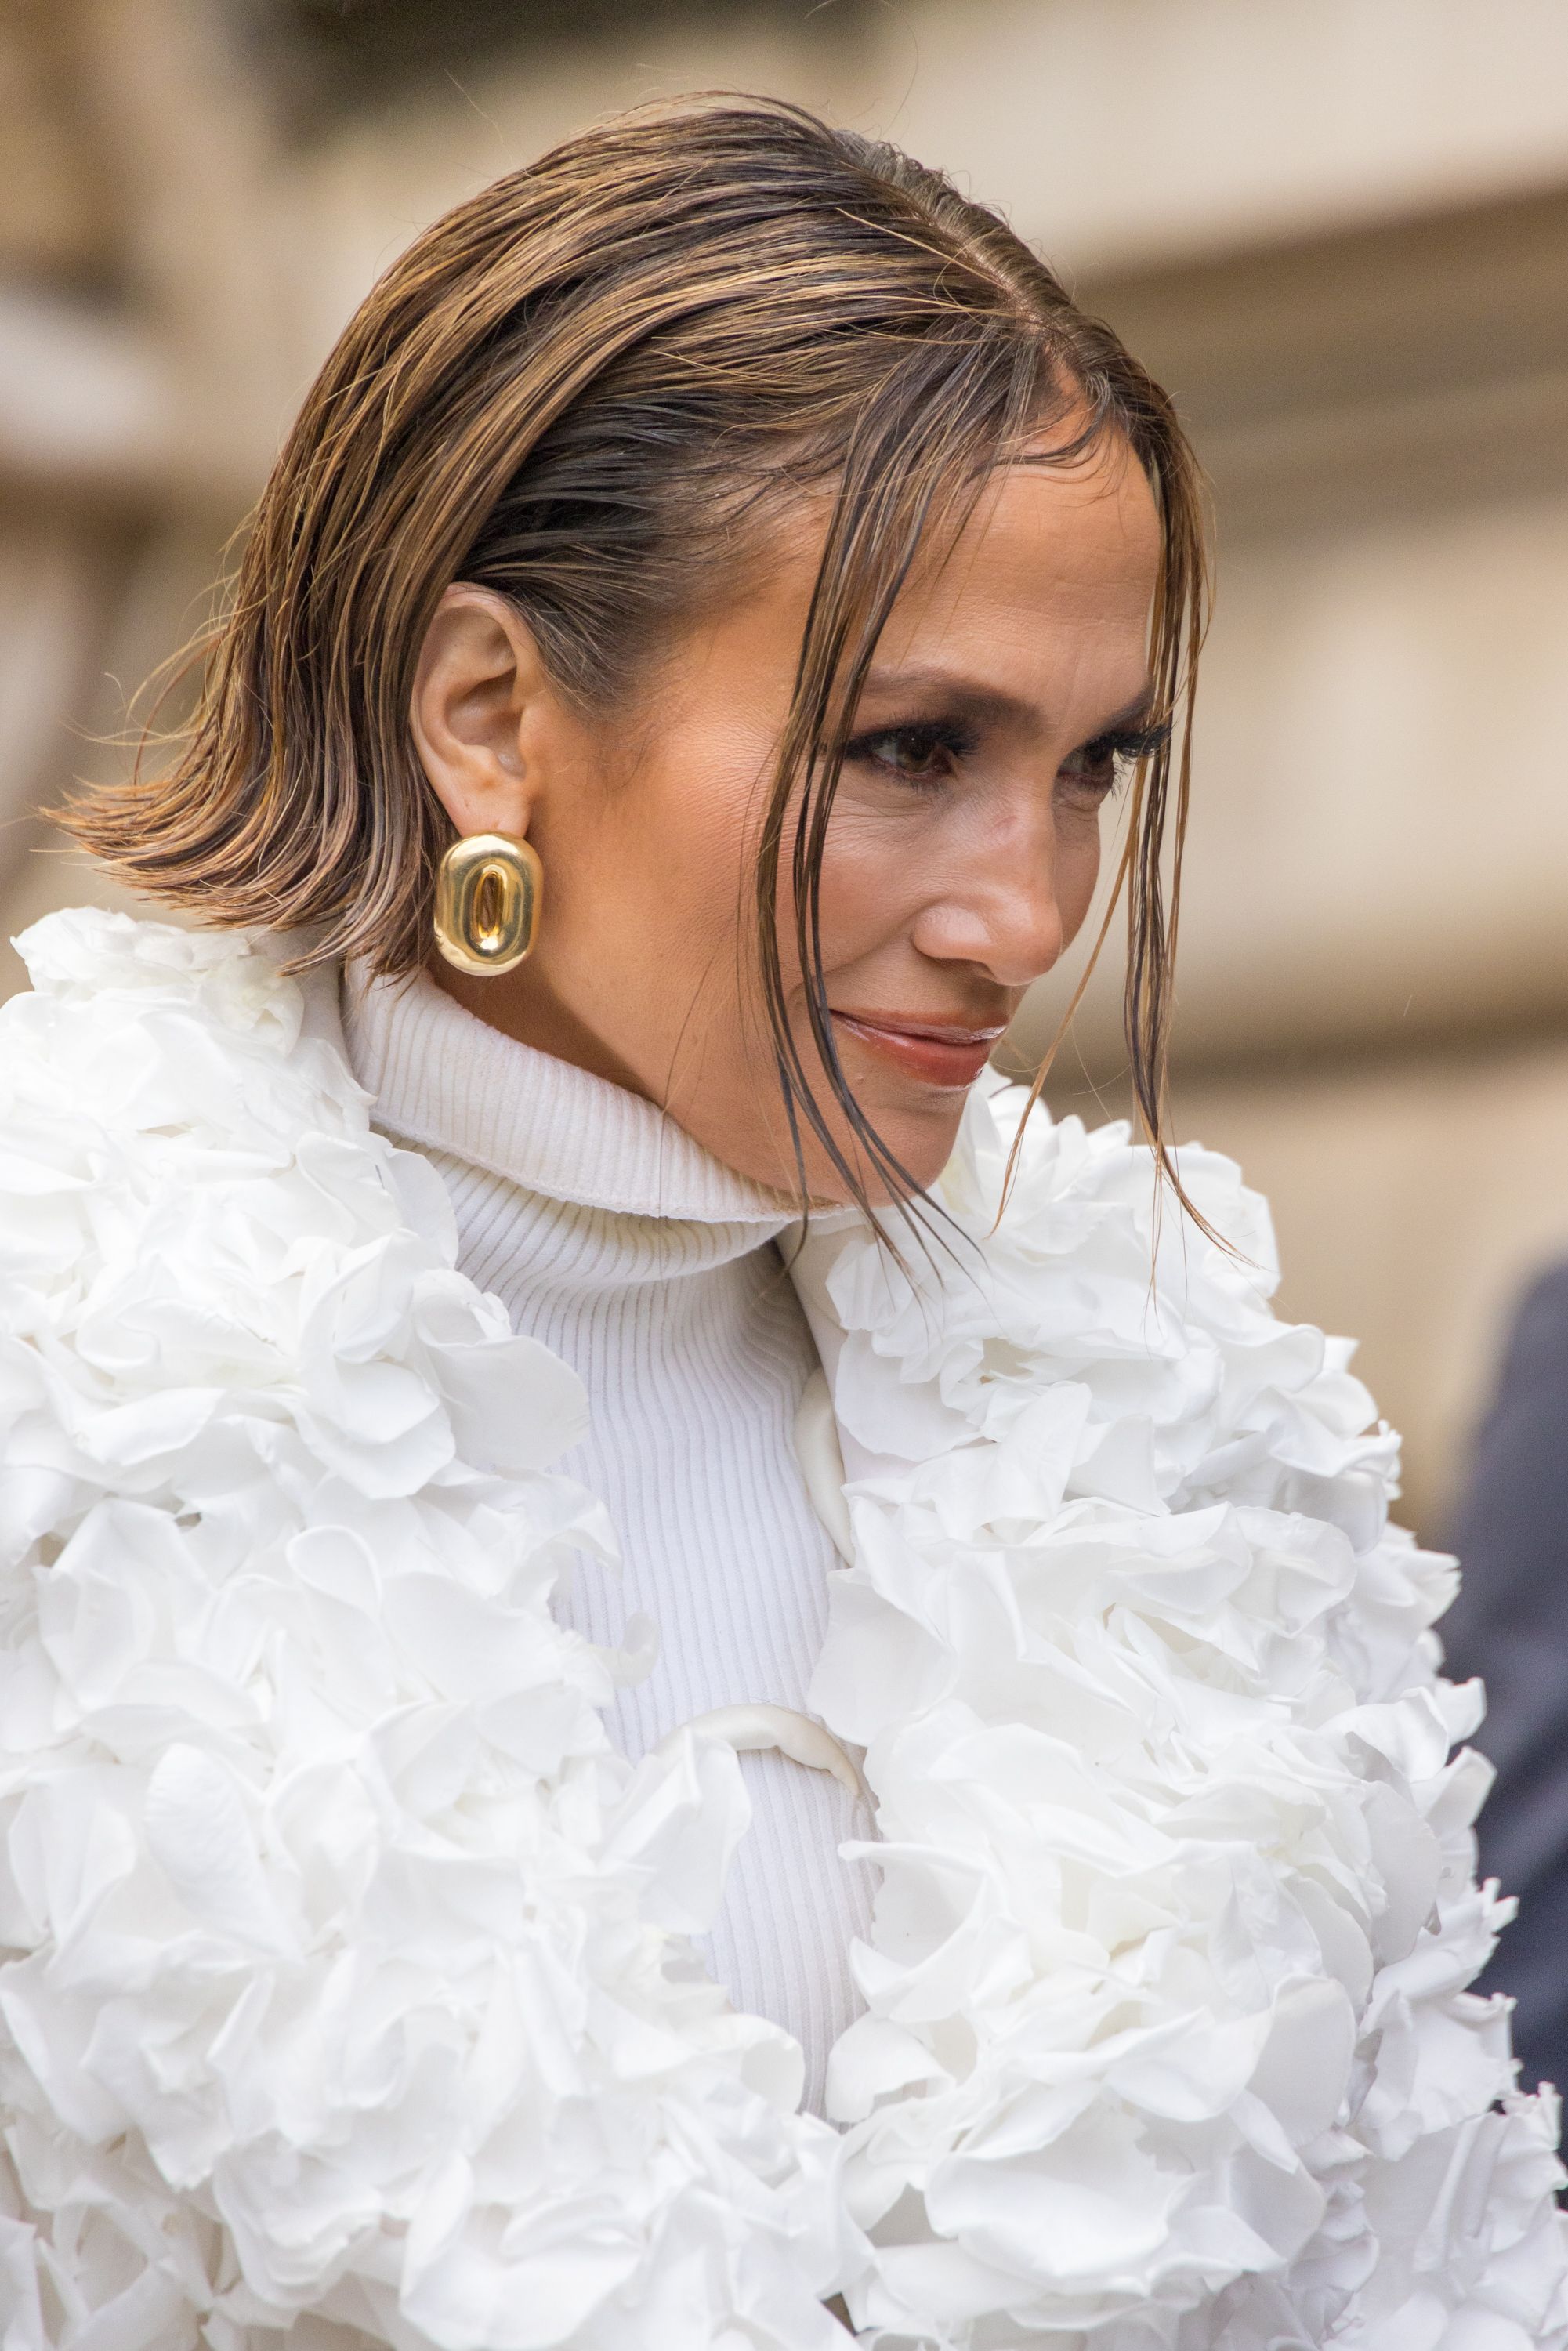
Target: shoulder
<point>1145,1681</point>
<point>1535,1358</point>
<point>1053,1259</point>
<point>201,1222</point>
<point>130,1025</point>
<point>149,1062</point>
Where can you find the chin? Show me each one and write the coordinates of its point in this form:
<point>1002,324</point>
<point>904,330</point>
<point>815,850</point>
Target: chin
<point>923,1141</point>
<point>920,1135</point>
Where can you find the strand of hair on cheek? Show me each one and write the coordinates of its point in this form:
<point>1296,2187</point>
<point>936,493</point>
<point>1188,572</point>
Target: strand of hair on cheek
<point>1124,869</point>
<point>1124,873</point>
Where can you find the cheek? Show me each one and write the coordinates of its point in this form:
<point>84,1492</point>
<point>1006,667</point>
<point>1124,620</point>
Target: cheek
<point>666,874</point>
<point>875,877</point>
<point>1078,852</point>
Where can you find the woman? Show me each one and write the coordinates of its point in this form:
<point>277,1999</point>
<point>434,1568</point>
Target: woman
<point>985,1868</point>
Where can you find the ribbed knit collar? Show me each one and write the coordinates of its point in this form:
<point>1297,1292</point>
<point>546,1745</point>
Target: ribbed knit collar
<point>448,1082</point>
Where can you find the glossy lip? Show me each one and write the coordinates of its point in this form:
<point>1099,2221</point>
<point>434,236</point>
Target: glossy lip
<point>942,1053</point>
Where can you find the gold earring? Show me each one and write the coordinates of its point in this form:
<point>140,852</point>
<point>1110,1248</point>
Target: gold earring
<point>487,902</point>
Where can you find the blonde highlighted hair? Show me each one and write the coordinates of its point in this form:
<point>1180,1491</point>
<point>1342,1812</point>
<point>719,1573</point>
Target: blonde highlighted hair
<point>578,389</point>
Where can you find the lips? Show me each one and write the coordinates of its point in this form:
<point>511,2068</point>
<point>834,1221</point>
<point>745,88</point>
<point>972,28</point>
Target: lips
<point>942,1053</point>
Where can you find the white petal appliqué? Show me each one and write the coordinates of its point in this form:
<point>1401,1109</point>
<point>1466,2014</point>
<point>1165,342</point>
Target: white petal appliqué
<point>1168,2045</point>
<point>348,1996</point>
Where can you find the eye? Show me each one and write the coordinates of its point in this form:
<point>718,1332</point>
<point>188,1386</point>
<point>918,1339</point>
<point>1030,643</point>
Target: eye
<point>1095,767</point>
<point>923,752</point>
<point>1091,768</point>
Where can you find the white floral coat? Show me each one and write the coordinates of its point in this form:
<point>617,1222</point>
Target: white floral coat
<point>347,1996</point>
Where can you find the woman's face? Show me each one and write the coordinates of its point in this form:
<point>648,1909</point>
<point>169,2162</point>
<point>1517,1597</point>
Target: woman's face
<point>962,851</point>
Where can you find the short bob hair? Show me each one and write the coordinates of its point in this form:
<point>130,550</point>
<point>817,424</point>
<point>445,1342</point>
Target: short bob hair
<point>577,390</point>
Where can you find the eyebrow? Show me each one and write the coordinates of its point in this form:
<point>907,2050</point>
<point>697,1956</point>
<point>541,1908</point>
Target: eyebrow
<point>986,705</point>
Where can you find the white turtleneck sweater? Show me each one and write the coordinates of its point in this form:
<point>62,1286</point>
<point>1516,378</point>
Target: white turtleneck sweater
<point>651,1268</point>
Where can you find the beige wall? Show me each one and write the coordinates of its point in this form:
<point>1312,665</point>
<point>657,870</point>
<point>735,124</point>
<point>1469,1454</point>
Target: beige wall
<point>1412,1199</point>
<point>1341,233</point>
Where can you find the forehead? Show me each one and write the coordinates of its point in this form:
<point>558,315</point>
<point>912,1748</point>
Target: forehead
<point>1050,577</point>
<point>1049,543</point>
<point>1040,605</point>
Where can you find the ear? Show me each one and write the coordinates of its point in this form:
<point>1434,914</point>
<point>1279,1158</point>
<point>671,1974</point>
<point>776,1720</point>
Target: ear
<point>475,711</point>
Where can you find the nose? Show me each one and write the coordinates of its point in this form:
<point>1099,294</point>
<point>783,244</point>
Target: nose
<point>1004,917</point>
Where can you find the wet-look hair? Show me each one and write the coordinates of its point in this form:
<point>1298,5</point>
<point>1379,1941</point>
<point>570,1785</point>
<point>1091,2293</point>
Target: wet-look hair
<point>591,389</point>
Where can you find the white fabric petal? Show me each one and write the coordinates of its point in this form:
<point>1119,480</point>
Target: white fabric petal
<point>1167,2046</point>
<point>348,1996</point>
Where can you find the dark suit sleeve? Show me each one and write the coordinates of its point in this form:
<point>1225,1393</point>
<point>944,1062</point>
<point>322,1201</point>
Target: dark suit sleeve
<point>1510,1625</point>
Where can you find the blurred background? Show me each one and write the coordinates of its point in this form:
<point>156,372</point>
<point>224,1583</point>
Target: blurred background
<point>1339,233</point>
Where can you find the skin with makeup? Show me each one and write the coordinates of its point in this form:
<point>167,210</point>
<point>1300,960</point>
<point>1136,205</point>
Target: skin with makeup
<point>1009,692</point>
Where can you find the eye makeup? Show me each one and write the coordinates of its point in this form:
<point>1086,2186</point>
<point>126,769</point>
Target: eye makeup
<point>922,752</point>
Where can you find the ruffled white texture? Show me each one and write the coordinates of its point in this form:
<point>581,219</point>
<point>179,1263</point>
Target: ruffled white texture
<point>348,1991</point>
<point>340,1983</point>
<point>1167,2047</point>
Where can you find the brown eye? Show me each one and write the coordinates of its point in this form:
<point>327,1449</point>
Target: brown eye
<point>920,755</point>
<point>914,754</point>
<point>1092,767</point>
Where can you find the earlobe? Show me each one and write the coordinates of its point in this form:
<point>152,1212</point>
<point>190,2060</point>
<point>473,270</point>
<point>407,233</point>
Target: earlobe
<point>478,677</point>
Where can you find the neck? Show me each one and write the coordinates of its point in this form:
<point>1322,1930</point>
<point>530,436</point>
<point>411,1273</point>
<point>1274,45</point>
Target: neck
<point>521,1004</point>
<point>446,1080</point>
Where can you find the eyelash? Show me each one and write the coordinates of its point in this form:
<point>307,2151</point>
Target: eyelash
<point>949,736</point>
<point>1123,749</point>
<point>1115,751</point>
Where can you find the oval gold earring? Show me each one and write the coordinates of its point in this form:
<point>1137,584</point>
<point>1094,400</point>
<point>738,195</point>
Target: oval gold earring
<point>488,892</point>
